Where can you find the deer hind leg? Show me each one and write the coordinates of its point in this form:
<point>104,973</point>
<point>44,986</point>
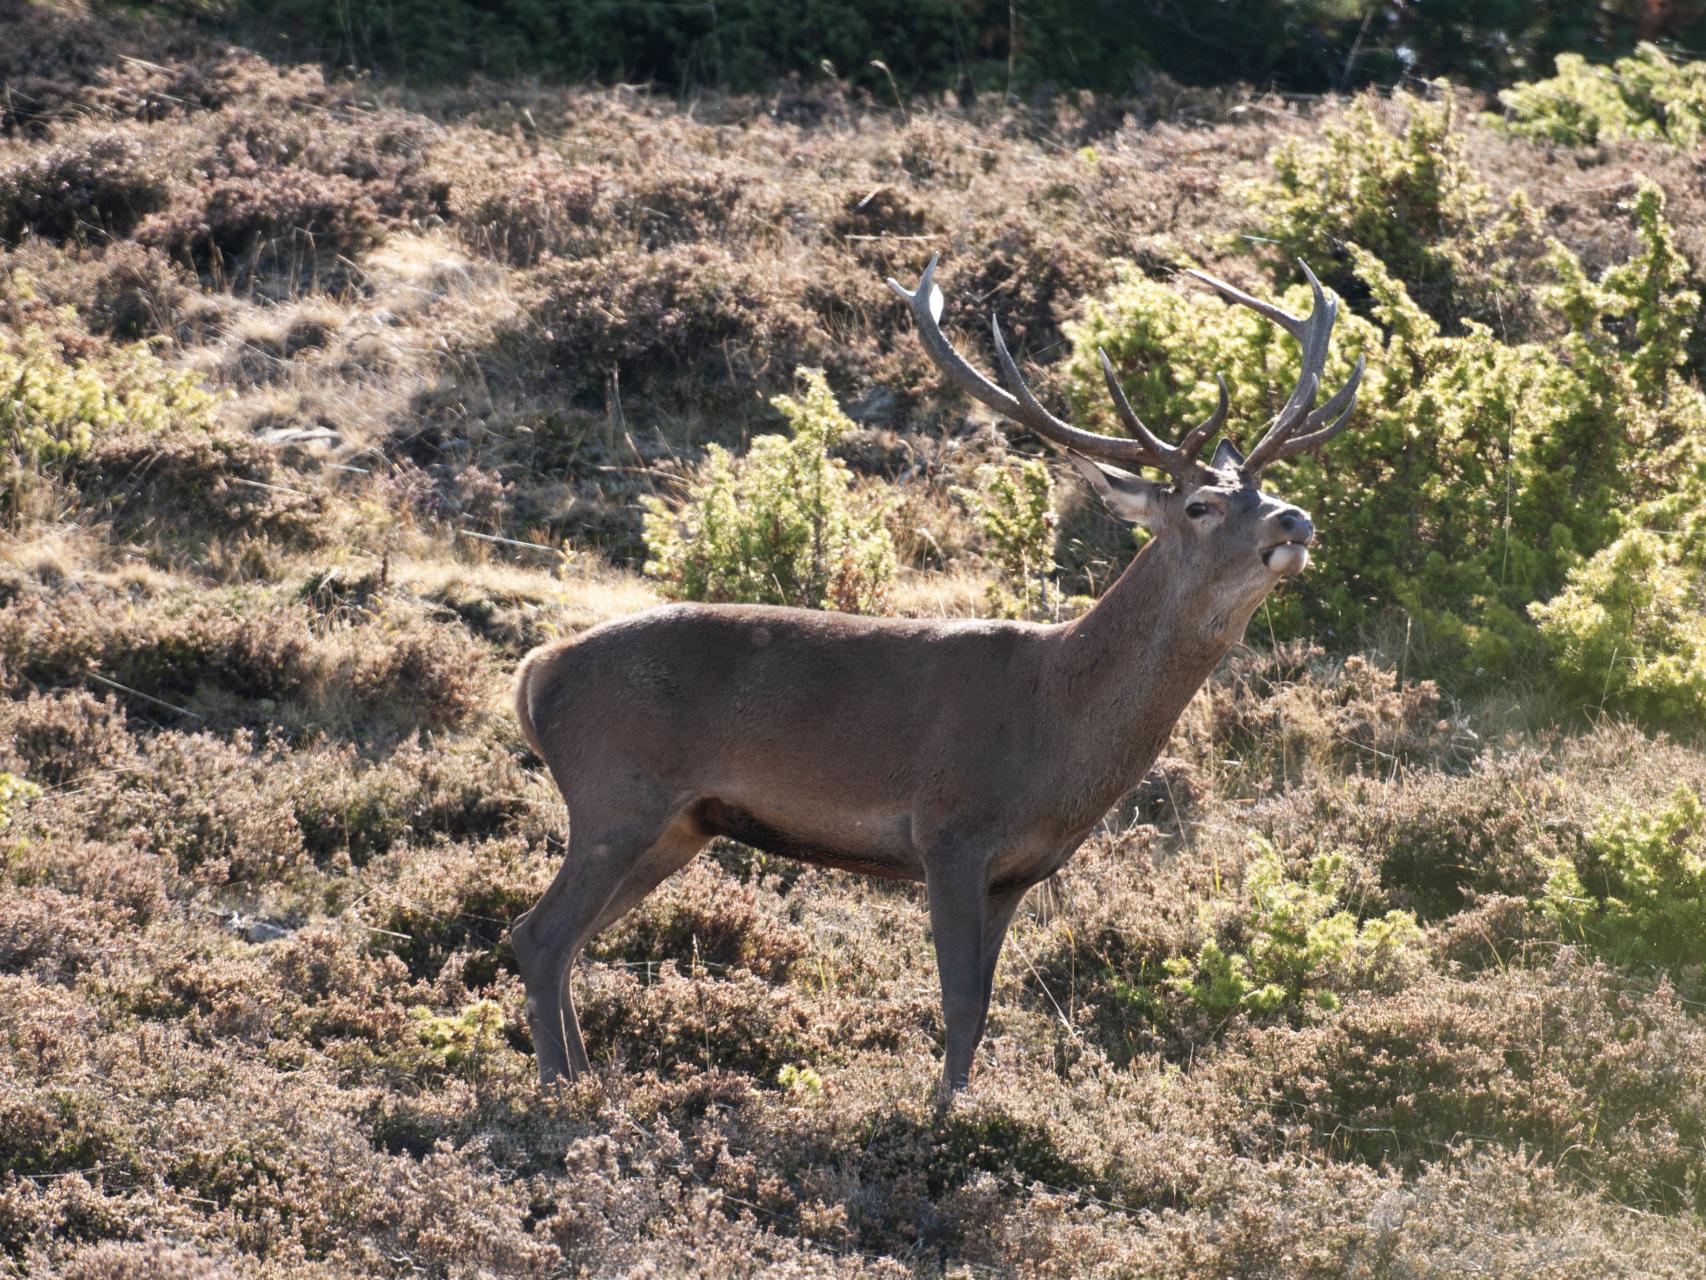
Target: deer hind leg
<point>608,870</point>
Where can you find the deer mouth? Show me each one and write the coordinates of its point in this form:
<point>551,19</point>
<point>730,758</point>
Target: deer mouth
<point>1287,558</point>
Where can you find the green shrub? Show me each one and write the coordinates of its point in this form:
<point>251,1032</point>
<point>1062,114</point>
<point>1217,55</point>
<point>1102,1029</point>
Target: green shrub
<point>52,407</point>
<point>781,525</point>
<point>1303,947</point>
<point>1628,632</point>
<point>464,1041</point>
<point>1014,508</point>
<point>1640,895</point>
<point>1646,95</point>
<point>14,792</point>
<point>1477,473</point>
<point>1407,196</point>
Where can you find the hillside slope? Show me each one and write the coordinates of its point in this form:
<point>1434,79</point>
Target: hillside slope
<point>1365,979</point>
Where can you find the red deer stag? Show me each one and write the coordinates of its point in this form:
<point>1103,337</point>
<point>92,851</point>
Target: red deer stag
<point>972,755</point>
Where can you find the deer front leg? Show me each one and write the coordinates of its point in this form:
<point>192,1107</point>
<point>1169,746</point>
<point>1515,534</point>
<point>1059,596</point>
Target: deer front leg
<point>998,915</point>
<point>959,907</point>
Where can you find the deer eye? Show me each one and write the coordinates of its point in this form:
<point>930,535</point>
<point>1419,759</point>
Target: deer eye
<point>1197,510</point>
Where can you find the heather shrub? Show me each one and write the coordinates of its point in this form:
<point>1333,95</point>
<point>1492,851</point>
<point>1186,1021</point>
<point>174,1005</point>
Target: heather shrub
<point>137,294</point>
<point>1014,509</point>
<point>54,934</point>
<point>245,657</point>
<point>699,317</point>
<point>704,916</point>
<point>1571,1061</point>
<point>1290,712</point>
<point>203,801</point>
<point>781,525</point>
<point>1645,95</point>
<point>283,193</point>
<point>127,876</point>
<point>661,1019</point>
<point>1430,842</point>
<point>56,737</point>
<point>240,225</point>
<point>198,485</point>
<point>1638,888</point>
<point>455,900</point>
<point>533,211</point>
<point>426,787</point>
<point>101,185</point>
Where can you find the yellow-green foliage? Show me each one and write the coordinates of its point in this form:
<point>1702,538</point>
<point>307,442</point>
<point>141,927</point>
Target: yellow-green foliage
<point>1476,473</point>
<point>1303,947</point>
<point>1408,197</point>
<point>14,791</point>
<point>1628,632</point>
<point>1641,895</point>
<point>466,1040</point>
<point>1015,510</point>
<point>1643,96</point>
<point>782,525</point>
<point>52,408</point>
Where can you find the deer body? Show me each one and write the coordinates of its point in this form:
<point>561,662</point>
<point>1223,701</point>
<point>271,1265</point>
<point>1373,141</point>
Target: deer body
<point>974,756</point>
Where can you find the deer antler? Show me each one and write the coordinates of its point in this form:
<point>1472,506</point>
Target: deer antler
<point>1144,449</point>
<point>1298,414</point>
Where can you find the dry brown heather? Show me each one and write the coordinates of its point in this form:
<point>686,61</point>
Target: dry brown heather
<point>258,1014</point>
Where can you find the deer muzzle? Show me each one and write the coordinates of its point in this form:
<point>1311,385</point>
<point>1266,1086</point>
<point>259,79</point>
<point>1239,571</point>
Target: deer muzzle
<point>1289,553</point>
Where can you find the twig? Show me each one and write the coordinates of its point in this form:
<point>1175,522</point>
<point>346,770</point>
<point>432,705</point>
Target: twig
<point>124,688</point>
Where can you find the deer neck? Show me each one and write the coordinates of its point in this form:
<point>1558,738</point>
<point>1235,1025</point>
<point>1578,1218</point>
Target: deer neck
<point>1128,668</point>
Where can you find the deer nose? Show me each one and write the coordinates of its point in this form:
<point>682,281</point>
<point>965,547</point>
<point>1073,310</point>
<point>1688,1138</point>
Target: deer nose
<point>1296,525</point>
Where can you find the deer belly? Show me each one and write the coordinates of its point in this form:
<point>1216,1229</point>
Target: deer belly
<point>871,846</point>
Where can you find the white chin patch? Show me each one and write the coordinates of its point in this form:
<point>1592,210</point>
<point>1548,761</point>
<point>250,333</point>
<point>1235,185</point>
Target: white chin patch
<point>1288,558</point>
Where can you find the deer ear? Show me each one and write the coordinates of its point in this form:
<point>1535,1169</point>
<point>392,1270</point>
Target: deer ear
<point>1226,456</point>
<point>1129,497</point>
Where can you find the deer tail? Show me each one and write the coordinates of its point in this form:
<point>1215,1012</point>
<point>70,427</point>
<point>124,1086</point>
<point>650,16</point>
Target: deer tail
<point>523,700</point>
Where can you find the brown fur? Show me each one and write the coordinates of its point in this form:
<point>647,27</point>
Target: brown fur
<point>974,756</point>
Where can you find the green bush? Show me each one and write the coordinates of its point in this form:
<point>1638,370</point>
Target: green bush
<point>52,407</point>
<point>1646,95</point>
<point>1628,632</point>
<point>1407,196</point>
<point>782,525</point>
<point>1477,473</point>
<point>1303,947</point>
<point>14,792</point>
<point>1014,508</point>
<point>1641,895</point>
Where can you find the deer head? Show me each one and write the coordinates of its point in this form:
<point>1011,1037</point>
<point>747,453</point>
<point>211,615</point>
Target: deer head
<point>1211,520</point>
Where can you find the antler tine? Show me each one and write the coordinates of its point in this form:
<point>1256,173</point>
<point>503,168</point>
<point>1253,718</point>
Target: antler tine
<point>1313,333</point>
<point>1343,403</point>
<point>925,303</point>
<point>1166,454</point>
<point>1284,319</point>
<point>1203,432</point>
<point>1317,333</point>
